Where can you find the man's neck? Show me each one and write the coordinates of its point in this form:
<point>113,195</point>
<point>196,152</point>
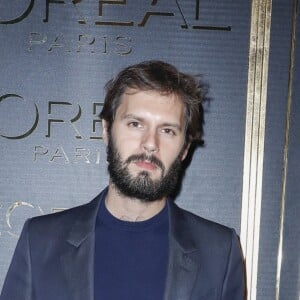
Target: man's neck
<point>131,209</point>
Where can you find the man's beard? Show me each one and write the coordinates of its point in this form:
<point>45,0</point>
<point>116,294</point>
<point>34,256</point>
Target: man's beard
<point>142,186</point>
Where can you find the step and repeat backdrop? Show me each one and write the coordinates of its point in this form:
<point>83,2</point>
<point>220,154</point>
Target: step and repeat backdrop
<point>55,58</point>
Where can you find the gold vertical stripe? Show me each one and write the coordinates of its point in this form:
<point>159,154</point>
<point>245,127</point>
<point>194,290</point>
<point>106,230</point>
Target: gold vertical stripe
<point>286,147</point>
<point>254,137</point>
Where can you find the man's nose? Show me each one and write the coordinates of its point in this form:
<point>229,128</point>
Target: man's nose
<point>150,143</point>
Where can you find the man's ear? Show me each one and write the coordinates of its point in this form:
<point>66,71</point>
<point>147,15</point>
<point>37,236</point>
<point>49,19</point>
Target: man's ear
<point>105,131</point>
<point>186,151</point>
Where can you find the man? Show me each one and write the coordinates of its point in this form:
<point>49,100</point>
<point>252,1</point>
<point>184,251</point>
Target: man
<point>132,242</point>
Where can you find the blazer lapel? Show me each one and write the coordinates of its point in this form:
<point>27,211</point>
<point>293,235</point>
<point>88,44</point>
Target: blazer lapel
<point>78,258</point>
<point>182,269</point>
<point>182,272</point>
<point>78,268</point>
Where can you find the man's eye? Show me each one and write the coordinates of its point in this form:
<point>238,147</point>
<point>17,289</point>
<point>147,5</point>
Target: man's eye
<point>168,131</point>
<point>134,124</point>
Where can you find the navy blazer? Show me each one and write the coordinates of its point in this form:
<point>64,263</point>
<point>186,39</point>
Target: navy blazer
<point>54,258</point>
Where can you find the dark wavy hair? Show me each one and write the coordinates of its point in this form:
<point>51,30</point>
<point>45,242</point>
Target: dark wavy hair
<point>163,78</point>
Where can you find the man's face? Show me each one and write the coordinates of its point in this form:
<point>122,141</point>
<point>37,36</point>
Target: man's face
<point>146,144</point>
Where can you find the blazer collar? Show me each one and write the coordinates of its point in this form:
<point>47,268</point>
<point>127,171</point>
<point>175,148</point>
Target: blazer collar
<point>86,220</point>
<point>180,228</point>
<point>182,267</point>
<point>78,258</point>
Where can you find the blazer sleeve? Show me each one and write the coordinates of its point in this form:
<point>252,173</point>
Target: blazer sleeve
<point>234,281</point>
<point>18,283</point>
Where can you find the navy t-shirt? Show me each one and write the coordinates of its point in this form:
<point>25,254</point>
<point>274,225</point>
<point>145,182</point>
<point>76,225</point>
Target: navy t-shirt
<point>130,257</point>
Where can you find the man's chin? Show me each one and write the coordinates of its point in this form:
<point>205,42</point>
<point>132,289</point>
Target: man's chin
<point>149,175</point>
<point>140,194</point>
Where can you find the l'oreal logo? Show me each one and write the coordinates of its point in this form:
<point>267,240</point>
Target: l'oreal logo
<point>59,113</point>
<point>19,210</point>
<point>118,13</point>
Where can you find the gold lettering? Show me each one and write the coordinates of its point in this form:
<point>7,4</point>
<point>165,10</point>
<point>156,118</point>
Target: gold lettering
<point>47,7</point>
<point>36,38</point>
<point>39,151</point>
<point>52,104</point>
<point>22,16</point>
<point>96,122</point>
<point>123,45</point>
<point>59,42</point>
<point>58,154</point>
<point>31,129</point>
<point>112,23</point>
<point>85,41</point>
<point>82,153</point>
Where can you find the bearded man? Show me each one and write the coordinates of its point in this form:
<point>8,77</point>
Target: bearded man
<point>132,242</point>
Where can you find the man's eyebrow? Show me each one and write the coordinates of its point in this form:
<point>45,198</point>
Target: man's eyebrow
<point>140,119</point>
<point>173,125</point>
<point>131,116</point>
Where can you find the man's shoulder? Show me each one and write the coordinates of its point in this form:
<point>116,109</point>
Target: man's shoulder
<point>64,220</point>
<point>199,228</point>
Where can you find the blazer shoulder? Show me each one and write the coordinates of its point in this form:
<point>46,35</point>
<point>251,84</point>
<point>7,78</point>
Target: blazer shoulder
<point>60,222</point>
<point>199,229</point>
<point>214,248</point>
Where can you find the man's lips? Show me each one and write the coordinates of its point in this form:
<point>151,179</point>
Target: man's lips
<point>146,165</point>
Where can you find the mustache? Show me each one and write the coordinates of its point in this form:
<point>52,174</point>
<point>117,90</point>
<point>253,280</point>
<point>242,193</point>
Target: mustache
<point>141,157</point>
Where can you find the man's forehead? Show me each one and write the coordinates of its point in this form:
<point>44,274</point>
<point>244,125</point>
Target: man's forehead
<point>147,99</point>
<point>163,109</point>
<point>170,96</point>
